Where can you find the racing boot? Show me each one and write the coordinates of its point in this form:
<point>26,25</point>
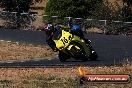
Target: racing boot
<point>52,45</point>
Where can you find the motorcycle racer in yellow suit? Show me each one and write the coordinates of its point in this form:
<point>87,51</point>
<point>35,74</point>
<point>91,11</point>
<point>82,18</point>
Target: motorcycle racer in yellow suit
<point>70,45</point>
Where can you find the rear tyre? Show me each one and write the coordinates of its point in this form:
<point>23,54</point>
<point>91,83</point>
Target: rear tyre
<point>63,57</point>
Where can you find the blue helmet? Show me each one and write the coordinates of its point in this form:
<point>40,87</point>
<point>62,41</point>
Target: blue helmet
<point>75,27</point>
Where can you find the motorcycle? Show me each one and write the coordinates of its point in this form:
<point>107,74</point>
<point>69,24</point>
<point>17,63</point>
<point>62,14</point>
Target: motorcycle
<point>70,45</point>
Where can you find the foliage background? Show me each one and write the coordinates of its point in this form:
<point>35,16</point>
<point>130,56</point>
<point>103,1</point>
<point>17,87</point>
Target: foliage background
<point>72,8</point>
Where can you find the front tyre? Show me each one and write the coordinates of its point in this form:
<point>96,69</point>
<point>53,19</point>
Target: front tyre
<point>94,56</point>
<point>63,57</point>
<point>79,54</point>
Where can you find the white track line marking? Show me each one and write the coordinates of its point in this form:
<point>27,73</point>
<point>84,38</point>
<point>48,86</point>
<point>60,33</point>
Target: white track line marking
<point>1,40</point>
<point>49,59</point>
<point>9,41</point>
<point>36,60</point>
<point>22,61</point>
<point>9,62</point>
<point>17,43</point>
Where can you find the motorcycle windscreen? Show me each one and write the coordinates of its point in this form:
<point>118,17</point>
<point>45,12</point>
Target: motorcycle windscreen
<point>57,35</point>
<point>63,40</point>
<point>56,38</point>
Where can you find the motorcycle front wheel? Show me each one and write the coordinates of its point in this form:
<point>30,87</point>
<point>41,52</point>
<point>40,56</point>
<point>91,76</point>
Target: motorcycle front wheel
<point>94,56</point>
<point>78,54</point>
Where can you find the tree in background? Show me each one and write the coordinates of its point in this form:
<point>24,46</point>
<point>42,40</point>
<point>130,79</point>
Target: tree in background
<point>108,11</point>
<point>127,10</point>
<point>128,2</point>
<point>17,5</point>
<point>73,8</point>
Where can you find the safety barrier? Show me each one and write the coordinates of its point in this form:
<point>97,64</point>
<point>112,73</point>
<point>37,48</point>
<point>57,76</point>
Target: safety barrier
<point>34,21</point>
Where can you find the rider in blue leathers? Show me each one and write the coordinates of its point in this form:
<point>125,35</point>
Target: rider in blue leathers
<point>77,30</point>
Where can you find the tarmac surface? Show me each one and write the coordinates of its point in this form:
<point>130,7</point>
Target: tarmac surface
<point>111,49</point>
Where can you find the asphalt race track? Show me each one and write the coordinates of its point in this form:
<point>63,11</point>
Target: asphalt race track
<point>112,50</point>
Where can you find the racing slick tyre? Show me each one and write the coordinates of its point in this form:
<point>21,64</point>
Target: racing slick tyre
<point>63,57</point>
<point>94,56</point>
